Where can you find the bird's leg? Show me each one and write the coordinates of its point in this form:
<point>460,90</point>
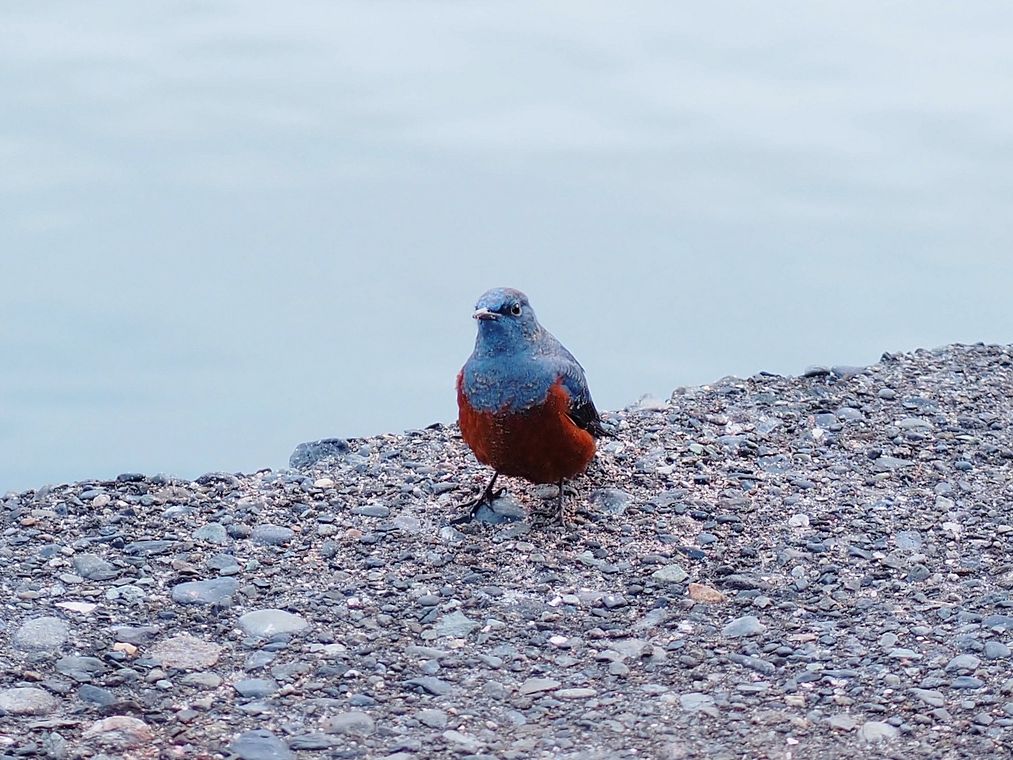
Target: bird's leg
<point>487,497</point>
<point>560,517</point>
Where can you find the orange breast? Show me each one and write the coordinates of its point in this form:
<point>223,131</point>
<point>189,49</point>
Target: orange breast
<point>541,444</point>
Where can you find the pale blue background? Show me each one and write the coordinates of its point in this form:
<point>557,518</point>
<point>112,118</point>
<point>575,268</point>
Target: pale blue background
<point>229,227</point>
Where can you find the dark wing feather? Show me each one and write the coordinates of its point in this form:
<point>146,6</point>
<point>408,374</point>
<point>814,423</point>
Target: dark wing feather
<point>561,363</point>
<point>582,408</point>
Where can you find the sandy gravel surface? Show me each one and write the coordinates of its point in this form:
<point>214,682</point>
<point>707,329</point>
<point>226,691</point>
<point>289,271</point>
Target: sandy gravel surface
<point>810,567</point>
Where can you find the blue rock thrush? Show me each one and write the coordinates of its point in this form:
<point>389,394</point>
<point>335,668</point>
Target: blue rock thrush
<point>524,405</point>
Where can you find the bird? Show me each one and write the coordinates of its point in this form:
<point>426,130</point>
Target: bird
<point>524,407</point>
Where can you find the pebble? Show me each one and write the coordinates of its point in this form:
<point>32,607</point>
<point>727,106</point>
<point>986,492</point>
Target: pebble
<point>672,573</point>
<point>996,650</point>
<point>456,625</point>
<point>213,533</point>
<point>202,679</point>
<point>93,567</point>
<point>431,685</point>
<point>699,592</point>
<point>45,634</point>
<point>185,652</point>
<point>537,685</point>
<point>79,668</point>
<point>611,501</point>
<point>272,535</point>
<point>27,700</point>
<point>255,687</point>
<point>575,693</point>
<point>747,625</point>
<point>215,591</point>
<point>95,695</point>
<point>354,723</point>
<point>843,722</point>
<point>260,744</point>
<point>432,718</point>
<point>963,663</point>
<point>697,702</point>
<point>873,731</point>
<point>269,622</point>
<point>119,732</point>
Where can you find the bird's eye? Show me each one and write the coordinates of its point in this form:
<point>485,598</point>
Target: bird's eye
<point>516,309</point>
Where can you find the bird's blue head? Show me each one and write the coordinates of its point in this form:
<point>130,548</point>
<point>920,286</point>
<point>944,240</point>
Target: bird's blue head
<point>506,321</point>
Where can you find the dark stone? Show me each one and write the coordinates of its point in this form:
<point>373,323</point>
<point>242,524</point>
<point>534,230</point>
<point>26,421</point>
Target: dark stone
<point>308,454</point>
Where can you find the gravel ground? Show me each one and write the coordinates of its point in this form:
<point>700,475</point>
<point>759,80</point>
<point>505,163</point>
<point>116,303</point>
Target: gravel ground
<point>806,567</point>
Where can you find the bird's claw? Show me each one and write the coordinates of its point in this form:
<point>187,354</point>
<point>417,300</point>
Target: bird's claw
<point>473,507</point>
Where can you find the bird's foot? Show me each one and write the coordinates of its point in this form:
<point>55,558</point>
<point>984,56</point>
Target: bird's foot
<point>472,507</point>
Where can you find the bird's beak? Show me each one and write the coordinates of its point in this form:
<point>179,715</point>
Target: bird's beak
<point>484,314</point>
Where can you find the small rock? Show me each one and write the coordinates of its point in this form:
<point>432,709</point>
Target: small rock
<point>747,625</point>
<point>268,622</point>
<point>204,680</point>
<point>309,453</point>
<point>213,533</point>
<point>798,521</point>
<point>876,731</point>
<point>963,663</point>
<point>575,693</point>
<point>695,701</point>
<point>272,535</point>
<point>260,745</point>
<point>93,567</point>
<point>215,591</point>
<point>538,685</point>
<point>673,573</point>
<point>185,652</point>
<point>465,742</point>
<point>81,669</point>
<point>26,700</point>
<point>456,625</point>
<point>255,687</point>
<point>842,722</point>
<point>353,722</point>
<point>41,634</point>
<point>119,731</point>
<point>996,650</point>
<point>699,592</point>
<point>430,684</point>
<point>96,695</point>
<point>432,718</point>
<point>612,501</point>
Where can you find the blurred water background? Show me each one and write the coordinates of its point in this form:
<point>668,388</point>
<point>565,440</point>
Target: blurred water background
<point>229,227</point>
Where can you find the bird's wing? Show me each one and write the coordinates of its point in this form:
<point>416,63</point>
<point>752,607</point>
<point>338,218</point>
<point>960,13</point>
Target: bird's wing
<point>582,408</point>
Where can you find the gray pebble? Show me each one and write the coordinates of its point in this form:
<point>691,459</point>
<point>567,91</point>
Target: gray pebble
<point>996,650</point>
<point>672,573</point>
<point>272,535</point>
<point>255,687</point>
<point>268,622</point>
<point>260,744</point>
<point>354,722</point>
<point>81,669</point>
<point>432,718</point>
<point>93,567</point>
<point>430,684</point>
<point>455,625</point>
<point>185,652</point>
<point>213,533</point>
<point>963,663</point>
<point>41,634</point>
<point>747,625</point>
<point>26,700</point>
<point>873,731</point>
<point>214,591</point>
